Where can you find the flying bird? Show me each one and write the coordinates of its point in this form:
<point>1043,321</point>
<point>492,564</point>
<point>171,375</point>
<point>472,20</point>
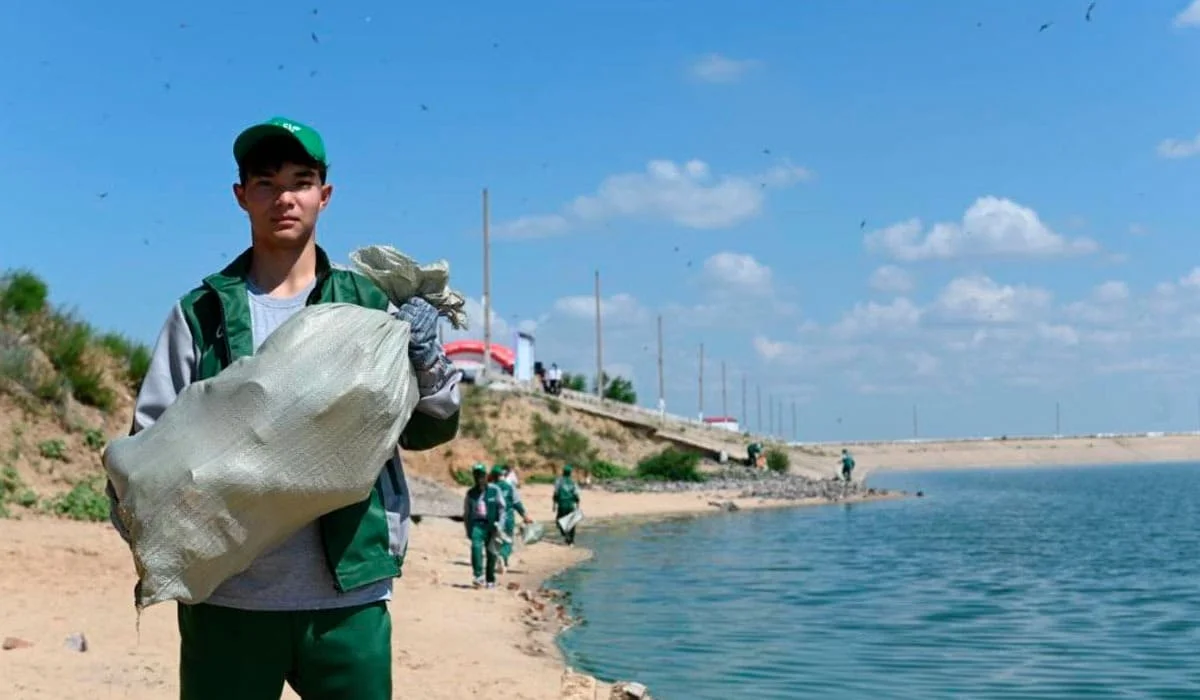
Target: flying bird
<point>424,108</point>
<point>766,151</point>
<point>102,195</point>
<point>1088,14</point>
<point>313,35</point>
<point>862,224</point>
<point>1045,26</point>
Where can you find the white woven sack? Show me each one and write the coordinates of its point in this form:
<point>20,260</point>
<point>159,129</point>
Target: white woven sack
<point>242,461</point>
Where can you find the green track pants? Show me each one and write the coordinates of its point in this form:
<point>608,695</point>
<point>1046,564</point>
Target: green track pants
<point>481,553</point>
<point>340,654</point>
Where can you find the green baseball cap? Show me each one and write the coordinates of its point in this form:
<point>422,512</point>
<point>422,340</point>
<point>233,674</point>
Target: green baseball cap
<point>567,469</point>
<point>497,469</point>
<point>305,135</point>
<point>479,468</point>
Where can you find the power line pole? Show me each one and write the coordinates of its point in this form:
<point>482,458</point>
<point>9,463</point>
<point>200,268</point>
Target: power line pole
<point>746,415</point>
<point>724,404</point>
<point>758,397</point>
<point>701,378</point>
<point>662,398</point>
<point>487,288</point>
<point>915,431</point>
<point>770,415</point>
<point>599,343</point>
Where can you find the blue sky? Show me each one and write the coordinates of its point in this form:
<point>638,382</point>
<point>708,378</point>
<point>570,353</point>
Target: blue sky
<point>1028,197</point>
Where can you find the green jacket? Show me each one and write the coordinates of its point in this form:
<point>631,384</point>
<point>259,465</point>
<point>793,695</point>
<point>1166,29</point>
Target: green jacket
<point>513,500</point>
<point>566,495</point>
<point>494,506</point>
<point>365,542</point>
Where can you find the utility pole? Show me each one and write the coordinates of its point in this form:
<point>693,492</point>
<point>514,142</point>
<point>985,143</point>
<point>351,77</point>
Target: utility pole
<point>746,415</point>
<point>770,415</point>
<point>915,431</point>
<point>795,429</point>
<point>1057,420</point>
<point>599,344</point>
<point>758,397</point>
<point>724,403</point>
<point>701,377</point>
<point>662,399</point>
<point>487,288</point>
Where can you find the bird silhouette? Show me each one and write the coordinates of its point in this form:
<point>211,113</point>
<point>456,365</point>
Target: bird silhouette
<point>1088,15</point>
<point>1045,26</point>
<point>313,35</point>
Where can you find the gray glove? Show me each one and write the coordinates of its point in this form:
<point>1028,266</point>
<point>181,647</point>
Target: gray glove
<point>424,350</point>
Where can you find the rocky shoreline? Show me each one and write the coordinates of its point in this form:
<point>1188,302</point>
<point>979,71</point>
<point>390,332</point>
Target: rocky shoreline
<point>751,484</point>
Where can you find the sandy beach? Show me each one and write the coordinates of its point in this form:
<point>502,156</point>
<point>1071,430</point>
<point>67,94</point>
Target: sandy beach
<point>450,642</point>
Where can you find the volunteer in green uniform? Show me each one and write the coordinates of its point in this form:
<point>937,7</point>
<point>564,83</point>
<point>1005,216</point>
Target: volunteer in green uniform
<point>566,501</point>
<point>513,506</point>
<point>483,511</point>
<point>847,464</point>
<point>753,451</point>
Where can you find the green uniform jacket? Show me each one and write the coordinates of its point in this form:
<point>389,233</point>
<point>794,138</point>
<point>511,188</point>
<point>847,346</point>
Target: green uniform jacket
<point>566,495</point>
<point>515,506</point>
<point>493,497</point>
<point>365,542</point>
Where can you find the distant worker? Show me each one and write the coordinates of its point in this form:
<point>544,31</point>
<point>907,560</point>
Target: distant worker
<point>754,452</point>
<point>513,505</point>
<point>483,512</point>
<point>847,464</point>
<point>566,502</point>
<point>554,375</point>
<point>511,476</point>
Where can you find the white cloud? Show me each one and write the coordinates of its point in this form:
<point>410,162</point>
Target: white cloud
<point>1189,17</point>
<point>873,318</point>
<point>715,68</point>
<point>1111,292</point>
<point>502,328</point>
<point>769,349</point>
<point>618,308</point>
<point>738,272</point>
<point>1136,229</point>
<point>979,299</point>
<point>1058,333</point>
<point>684,194</point>
<point>1179,148</point>
<point>890,279</point>
<point>991,227</point>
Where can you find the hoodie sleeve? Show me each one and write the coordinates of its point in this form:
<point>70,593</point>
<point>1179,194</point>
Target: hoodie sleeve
<point>517,504</point>
<point>172,369</point>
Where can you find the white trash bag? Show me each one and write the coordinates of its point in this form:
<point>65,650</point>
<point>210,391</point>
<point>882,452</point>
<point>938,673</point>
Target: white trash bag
<point>242,461</point>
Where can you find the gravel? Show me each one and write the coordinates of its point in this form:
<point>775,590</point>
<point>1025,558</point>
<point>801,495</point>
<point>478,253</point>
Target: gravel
<point>750,484</point>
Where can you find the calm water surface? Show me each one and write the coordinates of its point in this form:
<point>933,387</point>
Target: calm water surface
<point>1049,583</point>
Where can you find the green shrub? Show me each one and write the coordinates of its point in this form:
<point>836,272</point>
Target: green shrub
<point>560,443</point>
<point>53,449</point>
<point>134,356</point>
<point>778,461</point>
<point>94,439</point>
<point>86,501</point>
<point>607,471</point>
<point>462,477</point>
<point>65,340</point>
<point>554,405</point>
<point>671,465</point>
<point>22,294</point>
<point>540,479</point>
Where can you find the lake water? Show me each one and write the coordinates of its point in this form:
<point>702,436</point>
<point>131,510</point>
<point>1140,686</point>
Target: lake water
<point>1046,583</point>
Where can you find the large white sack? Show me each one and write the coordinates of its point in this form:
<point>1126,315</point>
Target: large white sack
<point>242,461</point>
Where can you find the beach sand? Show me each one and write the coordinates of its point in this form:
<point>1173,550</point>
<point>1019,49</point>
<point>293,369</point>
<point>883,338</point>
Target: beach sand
<point>1022,452</point>
<point>63,578</point>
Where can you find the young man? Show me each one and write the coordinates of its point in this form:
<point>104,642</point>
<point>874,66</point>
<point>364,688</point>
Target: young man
<point>312,612</point>
<point>513,507</point>
<point>847,464</point>
<point>483,512</point>
<point>566,500</point>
